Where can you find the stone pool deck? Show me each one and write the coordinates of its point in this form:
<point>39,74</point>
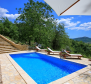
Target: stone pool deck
<point>10,74</point>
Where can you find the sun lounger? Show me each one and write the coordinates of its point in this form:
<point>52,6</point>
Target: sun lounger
<point>50,51</point>
<point>38,49</point>
<point>72,55</point>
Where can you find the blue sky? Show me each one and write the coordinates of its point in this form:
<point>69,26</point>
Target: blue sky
<point>75,26</point>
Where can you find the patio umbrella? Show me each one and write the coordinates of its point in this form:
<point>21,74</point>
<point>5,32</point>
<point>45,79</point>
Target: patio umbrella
<point>70,7</point>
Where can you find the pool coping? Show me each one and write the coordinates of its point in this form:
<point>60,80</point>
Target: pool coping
<point>29,80</point>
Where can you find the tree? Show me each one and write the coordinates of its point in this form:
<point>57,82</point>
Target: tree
<point>60,39</point>
<point>32,16</point>
<point>8,28</point>
<point>1,28</point>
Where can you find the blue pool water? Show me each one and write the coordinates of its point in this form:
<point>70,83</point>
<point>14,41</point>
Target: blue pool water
<point>44,69</point>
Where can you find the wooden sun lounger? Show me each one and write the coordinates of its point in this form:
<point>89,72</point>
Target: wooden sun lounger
<point>71,55</point>
<point>38,49</point>
<point>50,51</point>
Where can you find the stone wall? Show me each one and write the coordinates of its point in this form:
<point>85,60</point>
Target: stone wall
<point>18,46</point>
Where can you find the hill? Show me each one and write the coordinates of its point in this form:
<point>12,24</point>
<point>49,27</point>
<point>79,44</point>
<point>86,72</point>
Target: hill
<point>84,39</point>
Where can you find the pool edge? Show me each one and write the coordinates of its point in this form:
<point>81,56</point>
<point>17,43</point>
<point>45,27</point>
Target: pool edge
<point>28,79</point>
<point>22,73</point>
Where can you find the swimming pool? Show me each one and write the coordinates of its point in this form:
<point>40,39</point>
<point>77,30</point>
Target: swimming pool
<point>44,69</point>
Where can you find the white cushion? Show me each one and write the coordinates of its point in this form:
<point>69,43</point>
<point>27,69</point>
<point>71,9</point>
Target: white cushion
<point>38,47</point>
<point>76,54</point>
<point>49,49</point>
<point>65,51</point>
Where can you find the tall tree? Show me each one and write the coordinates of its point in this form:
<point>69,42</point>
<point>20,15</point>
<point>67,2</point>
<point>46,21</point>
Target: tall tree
<point>32,15</point>
<point>9,29</point>
<point>60,39</point>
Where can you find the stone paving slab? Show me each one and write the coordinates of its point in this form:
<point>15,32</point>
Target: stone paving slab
<point>9,73</point>
<point>84,78</point>
<point>11,76</point>
<point>0,74</point>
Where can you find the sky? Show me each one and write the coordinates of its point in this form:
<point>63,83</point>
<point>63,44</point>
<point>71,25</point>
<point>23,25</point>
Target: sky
<point>75,25</point>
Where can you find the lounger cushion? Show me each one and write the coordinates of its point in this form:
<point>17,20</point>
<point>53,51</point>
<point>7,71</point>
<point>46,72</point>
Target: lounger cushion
<point>66,52</point>
<point>43,49</point>
<point>50,49</point>
<point>76,54</point>
<point>38,47</point>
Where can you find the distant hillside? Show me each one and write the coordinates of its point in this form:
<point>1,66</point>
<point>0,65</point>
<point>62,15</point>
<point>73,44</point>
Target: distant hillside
<point>84,39</point>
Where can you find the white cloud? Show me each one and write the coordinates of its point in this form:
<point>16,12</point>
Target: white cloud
<point>3,13</point>
<point>83,26</point>
<point>46,19</point>
<point>74,25</point>
<point>86,26</point>
<point>67,22</point>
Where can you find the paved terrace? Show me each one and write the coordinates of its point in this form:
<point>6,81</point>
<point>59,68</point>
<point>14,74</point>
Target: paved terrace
<point>10,75</point>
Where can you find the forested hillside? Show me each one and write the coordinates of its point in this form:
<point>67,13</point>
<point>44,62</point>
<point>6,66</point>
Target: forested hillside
<point>84,39</point>
<point>36,24</point>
